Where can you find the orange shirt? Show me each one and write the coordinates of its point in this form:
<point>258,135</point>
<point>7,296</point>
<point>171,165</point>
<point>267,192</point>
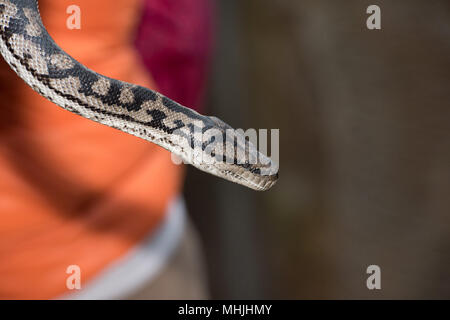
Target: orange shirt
<point>74,192</point>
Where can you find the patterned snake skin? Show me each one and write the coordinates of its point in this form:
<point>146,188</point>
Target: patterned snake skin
<point>205,142</point>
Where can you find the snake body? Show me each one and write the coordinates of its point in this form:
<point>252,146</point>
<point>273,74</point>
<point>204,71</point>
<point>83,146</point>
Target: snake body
<point>205,142</point>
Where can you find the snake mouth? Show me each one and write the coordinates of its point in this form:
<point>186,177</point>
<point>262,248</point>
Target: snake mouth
<point>253,181</point>
<point>247,179</point>
<point>242,175</point>
<point>264,182</point>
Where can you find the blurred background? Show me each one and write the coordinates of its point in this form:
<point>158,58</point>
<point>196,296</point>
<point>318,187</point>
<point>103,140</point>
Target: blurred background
<point>364,119</point>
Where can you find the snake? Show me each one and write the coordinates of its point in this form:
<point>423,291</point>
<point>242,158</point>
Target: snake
<point>206,142</point>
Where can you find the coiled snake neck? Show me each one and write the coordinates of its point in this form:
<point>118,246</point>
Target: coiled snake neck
<point>204,142</point>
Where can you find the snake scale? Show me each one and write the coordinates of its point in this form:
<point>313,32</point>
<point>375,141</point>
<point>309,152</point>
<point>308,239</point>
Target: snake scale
<point>205,142</point>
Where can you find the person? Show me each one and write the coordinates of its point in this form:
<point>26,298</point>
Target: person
<point>78,199</point>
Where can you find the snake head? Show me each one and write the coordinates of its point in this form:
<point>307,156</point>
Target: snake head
<point>233,155</point>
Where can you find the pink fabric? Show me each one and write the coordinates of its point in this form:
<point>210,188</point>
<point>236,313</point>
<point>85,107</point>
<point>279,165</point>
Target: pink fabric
<point>175,40</point>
